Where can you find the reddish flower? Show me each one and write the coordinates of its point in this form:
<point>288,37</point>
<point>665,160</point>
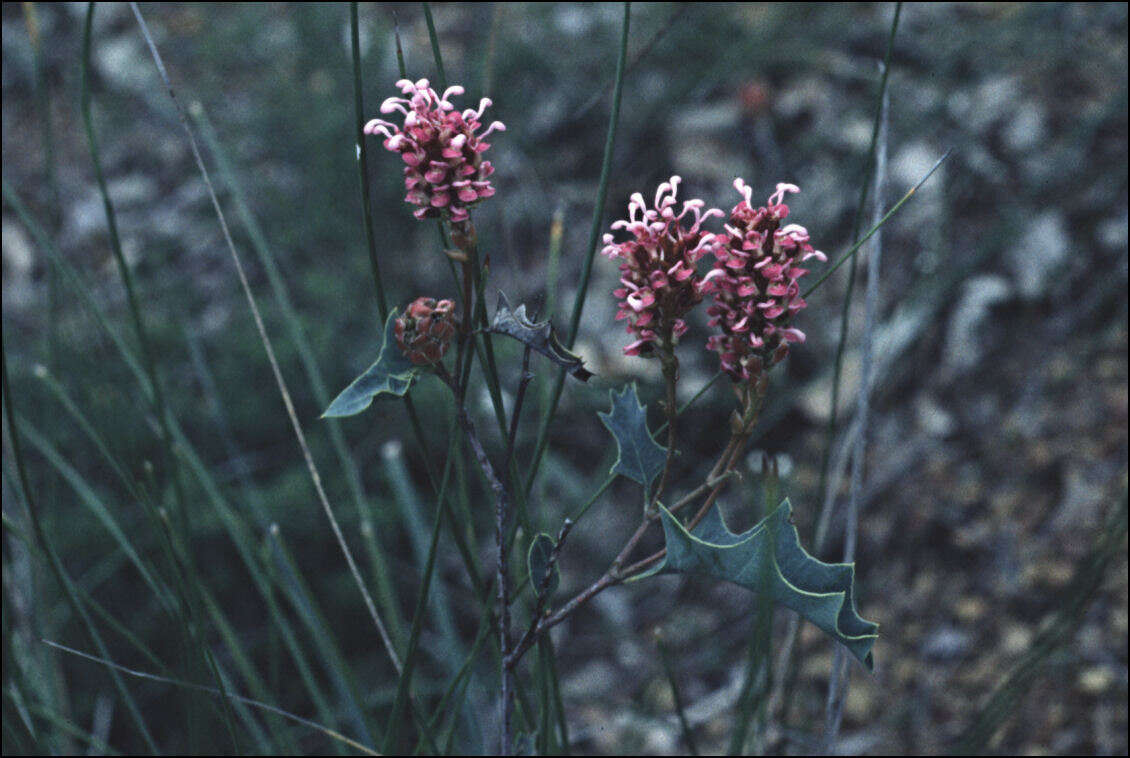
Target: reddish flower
<point>756,284</point>
<point>425,329</point>
<point>658,269</point>
<point>444,169</point>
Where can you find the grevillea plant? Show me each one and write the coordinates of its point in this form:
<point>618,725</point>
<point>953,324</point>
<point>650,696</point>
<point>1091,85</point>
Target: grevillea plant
<point>743,267</point>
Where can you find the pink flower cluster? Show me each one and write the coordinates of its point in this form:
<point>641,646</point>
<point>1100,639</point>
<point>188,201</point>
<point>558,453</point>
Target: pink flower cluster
<point>756,284</point>
<point>444,169</point>
<point>658,270</point>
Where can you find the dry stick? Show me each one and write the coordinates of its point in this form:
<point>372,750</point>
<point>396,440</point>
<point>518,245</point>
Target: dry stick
<point>542,592</point>
<point>837,684</point>
<point>279,380</point>
<point>502,579</point>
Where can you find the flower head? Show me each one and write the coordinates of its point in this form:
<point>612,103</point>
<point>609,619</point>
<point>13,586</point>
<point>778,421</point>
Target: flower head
<point>425,329</point>
<point>444,169</point>
<point>755,284</point>
<point>660,283</point>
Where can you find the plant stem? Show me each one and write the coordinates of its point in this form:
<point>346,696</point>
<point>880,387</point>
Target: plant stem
<point>671,409</point>
<point>502,579</point>
<point>718,476</point>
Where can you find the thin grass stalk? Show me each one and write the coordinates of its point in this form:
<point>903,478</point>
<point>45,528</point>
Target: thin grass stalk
<point>15,710</point>
<point>488,56</point>
<point>363,162</point>
<point>71,279</point>
<point>108,663</point>
<point>53,560</point>
<point>42,95</point>
<point>555,690</point>
<point>442,708</point>
<point>160,406</point>
<point>204,478</point>
<point>486,352</point>
<point>788,677</point>
<point>594,238</point>
<point>366,203</point>
<point>185,613</point>
<point>489,369</point>
<point>63,724</point>
<point>541,678</point>
<point>267,346</point>
<point>676,697</point>
<point>305,604</point>
<point>840,676</point>
<point>90,500</point>
<point>434,38</point>
<point>865,187</point>
<point>279,290</point>
<point>407,502</point>
<point>404,683</point>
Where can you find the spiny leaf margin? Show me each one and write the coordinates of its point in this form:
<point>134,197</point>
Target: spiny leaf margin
<point>539,336</point>
<point>391,374</point>
<point>821,592</point>
<point>640,457</point>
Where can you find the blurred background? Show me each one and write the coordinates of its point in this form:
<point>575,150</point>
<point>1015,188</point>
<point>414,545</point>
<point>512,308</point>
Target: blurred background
<point>997,440</point>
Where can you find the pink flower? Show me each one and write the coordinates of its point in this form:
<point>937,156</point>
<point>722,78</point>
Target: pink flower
<point>756,287</point>
<point>444,170</point>
<point>660,283</point>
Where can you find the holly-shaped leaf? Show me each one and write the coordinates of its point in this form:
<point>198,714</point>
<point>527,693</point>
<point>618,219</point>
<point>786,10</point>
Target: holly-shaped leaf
<point>641,457</point>
<point>391,374</point>
<point>538,336</point>
<point>769,558</point>
<point>538,563</point>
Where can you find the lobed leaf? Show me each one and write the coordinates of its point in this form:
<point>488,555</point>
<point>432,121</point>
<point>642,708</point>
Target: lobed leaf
<point>537,336</point>
<point>769,558</point>
<point>391,374</point>
<point>641,458</point>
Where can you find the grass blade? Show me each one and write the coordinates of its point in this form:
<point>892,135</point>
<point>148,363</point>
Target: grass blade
<point>267,346</point>
<point>838,682</point>
<point>213,691</point>
<point>594,238</point>
<point>54,562</point>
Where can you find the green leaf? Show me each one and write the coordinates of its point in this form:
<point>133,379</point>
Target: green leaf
<point>537,336</point>
<point>769,557</point>
<point>641,457</point>
<point>537,561</point>
<point>391,374</point>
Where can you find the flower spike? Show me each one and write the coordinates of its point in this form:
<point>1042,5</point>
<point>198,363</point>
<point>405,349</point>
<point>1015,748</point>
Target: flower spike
<point>442,149</point>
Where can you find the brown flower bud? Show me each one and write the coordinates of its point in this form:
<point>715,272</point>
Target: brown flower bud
<point>425,330</point>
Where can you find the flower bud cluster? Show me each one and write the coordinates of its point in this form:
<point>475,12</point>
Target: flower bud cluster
<point>444,170</point>
<point>756,284</point>
<point>425,329</point>
<point>660,283</point>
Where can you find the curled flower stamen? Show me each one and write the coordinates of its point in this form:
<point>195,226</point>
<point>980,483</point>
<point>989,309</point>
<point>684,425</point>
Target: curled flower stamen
<point>660,283</point>
<point>442,149</point>
<point>755,287</point>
